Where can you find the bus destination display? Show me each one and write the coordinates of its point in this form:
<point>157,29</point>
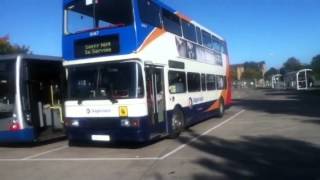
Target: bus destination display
<point>99,46</point>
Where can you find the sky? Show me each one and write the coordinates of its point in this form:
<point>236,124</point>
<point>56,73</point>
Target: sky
<point>255,30</point>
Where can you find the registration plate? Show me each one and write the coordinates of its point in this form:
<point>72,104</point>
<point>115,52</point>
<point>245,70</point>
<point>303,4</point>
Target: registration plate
<point>105,138</point>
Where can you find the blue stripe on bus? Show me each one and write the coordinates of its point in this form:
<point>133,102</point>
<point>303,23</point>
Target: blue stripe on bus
<point>25,135</point>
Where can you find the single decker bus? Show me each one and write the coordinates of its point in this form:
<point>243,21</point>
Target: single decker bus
<point>30,98</point>
<point>138,70</point>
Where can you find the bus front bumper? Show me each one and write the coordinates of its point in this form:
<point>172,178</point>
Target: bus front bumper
<point>109,129</point>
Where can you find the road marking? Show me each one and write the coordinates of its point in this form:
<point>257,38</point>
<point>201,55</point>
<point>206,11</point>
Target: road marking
<point>83,159</point>
<point>43,153</point>
<point>33,157</point>
<point>197,137</point>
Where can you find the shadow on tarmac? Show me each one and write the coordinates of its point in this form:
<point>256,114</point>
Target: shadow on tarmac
<point>263,158</point>
<point>288,102</point>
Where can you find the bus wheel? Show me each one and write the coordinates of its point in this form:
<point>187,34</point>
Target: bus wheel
<point>177,123</point>
<point>221,108</point>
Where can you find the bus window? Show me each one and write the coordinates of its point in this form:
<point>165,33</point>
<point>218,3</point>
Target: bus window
<point>171,22</point>
<point>149,13</point>
<point>221,82</point>
<point>211,82</point>
<point>188,31</point>
<point>177,82</point>
<point>224,47</point>
<point>203,82</point>
<point>207,42</point>
<point>199,37</point>
<point>193,82</point>
<point>7,86</point>
<point>110,80</point>
<point>102,14</point>
<point>216,44</point>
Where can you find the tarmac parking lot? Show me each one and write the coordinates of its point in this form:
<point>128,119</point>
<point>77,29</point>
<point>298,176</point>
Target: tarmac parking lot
<point>266,134</point>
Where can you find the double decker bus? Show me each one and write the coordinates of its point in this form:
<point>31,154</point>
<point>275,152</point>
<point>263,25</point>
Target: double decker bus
<point>30,98</point>
<point>138,70</point>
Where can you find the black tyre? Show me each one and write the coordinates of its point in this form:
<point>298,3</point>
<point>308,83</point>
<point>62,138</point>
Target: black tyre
<point>178,124</point>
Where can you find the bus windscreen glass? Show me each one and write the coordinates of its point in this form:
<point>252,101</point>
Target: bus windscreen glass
<point>84,15</point>
<point>7,88</point>
<point>106,81</point>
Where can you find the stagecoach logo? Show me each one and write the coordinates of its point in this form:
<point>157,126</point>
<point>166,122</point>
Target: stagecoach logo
<point>97,111</point>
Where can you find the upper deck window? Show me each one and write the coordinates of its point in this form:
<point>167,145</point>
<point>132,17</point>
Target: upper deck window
<point>207,41</point>
<point>216,44</point>
<point>171,22</point>
<point>199,37</point>
<point>149,13</point>
<point>189,31</point>
<point>86,15</point>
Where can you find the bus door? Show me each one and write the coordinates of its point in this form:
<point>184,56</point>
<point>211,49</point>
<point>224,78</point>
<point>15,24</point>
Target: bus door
<point>156,99</point>
<point>44,97</point>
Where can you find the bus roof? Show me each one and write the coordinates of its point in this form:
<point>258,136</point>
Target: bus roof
<point>30,56</point>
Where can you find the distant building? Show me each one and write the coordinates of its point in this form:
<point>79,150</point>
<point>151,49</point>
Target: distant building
<point>240,68</point>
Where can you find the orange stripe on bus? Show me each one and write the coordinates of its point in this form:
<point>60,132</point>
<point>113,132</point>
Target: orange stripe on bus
<point>225,94</point>
<point>183,17</point>
<point>154,35</point>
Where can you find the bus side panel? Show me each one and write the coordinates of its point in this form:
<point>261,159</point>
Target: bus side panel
<point>24,135</point>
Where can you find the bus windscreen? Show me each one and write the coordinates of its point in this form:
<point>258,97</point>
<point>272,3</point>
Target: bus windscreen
<point>7,86</point>
<point>84,15</point>
<point>106,81</point>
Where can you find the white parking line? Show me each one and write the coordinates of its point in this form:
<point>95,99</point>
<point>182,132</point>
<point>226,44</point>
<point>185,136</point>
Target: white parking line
<point>205,133</point>
<point>43,153</point>
<point>84,159</point>
<point>34,157</point>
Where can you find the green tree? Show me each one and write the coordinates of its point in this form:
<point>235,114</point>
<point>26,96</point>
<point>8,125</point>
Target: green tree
<point>7,48</point>
<point>272,71</point>
<point>315,65</point>
<point>292,64</point>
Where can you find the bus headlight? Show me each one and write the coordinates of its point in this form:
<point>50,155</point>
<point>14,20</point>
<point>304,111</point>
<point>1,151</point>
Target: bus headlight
<point>125,122</point>
<point>75,123</point>
<point>130,123</point>
<point>123,111</point>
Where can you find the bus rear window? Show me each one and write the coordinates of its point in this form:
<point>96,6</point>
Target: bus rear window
<point>82,15</point>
